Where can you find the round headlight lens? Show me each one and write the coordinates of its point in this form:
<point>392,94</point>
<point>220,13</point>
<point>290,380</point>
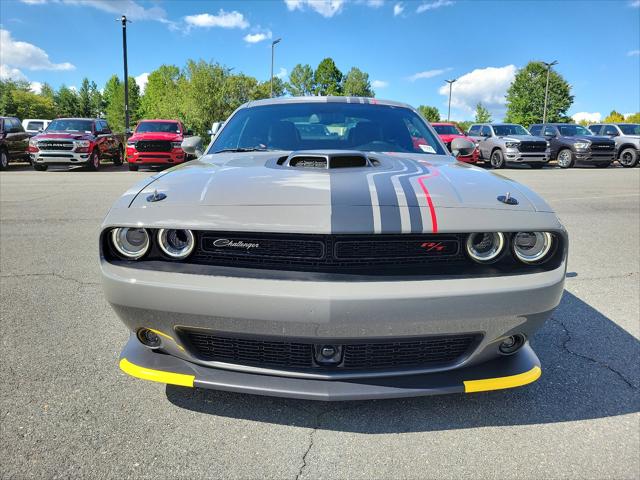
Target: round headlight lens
<point>532,247</point>
<point>131,243</point>
<point>176,243</point>
<point>485,247</point>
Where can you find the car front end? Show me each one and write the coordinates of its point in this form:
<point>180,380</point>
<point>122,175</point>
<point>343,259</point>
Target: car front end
<point>594,149</point>
<point>60,149</point>
<point>526,150</point>
<point>156,143</point>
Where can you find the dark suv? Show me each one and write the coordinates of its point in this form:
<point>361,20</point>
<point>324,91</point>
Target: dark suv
<point>14,141</point>
<point>570,143</point>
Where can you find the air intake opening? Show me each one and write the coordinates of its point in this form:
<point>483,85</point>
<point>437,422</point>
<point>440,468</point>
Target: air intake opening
<point>308,162</point>
<point>332,159</point>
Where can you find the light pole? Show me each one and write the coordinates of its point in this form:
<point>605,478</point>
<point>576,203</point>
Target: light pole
<point>450,82</point>
<point>273,44</point>
<point>546,89</point>
<point>124,21</point>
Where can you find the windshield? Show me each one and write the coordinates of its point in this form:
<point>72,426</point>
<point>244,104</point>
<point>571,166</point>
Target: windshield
<point>35,125</point>
<point>447,129</point>
<point>64,125</point>
<point>505,130</point>
<point>322,126</point>
<point>573,130</point>
<point>630,128</point>
<point>162,127</point>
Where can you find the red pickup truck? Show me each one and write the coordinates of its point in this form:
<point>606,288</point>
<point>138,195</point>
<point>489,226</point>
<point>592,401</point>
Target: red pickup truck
<point>447,132</point>
<point>156,143</point>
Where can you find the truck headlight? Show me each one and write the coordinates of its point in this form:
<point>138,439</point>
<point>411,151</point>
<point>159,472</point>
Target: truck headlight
<point>581,145</point>
<point>512,144</point>
<point>176,144</point>
<point>81,146</point>
<point>532,247</point>
<point>131,243</point>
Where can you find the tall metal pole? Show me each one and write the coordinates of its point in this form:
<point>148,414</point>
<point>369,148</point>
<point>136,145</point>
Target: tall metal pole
<point>546,89</point>
<point>126,73</point>
<point>273,44</point>
<point>450,82</point>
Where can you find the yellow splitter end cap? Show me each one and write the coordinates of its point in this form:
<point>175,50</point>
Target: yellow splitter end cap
<point>156,375</point>
<point>502,382</point>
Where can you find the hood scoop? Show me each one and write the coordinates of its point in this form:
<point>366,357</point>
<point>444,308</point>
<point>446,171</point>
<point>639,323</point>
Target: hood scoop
<point>329,159</point>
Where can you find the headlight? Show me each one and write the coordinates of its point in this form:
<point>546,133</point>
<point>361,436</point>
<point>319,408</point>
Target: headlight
<point>512,144</point>
<point>82,143</point>
<point>485,247</point>
<point>131,143</point>
<point>131,243</point>
<point>581,145</point>
<point>176,144</point>
<point>33,142</point>
<point>177,244</point>
<point>532,247</point>
<point>548,143</point>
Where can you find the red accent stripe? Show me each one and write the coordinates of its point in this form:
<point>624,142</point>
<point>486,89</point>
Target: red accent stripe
<point>432,210</point>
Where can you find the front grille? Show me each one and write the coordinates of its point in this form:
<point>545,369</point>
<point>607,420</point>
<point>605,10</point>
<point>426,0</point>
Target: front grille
<point>421,352</point>
<point>327,253</point>
<point>602,147</point>
<point>532,147</point>
<point>153,146</point>
<point>54,145</point>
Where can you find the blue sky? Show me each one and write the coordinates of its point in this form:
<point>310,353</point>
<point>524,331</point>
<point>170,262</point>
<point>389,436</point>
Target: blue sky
<point>408,47</point>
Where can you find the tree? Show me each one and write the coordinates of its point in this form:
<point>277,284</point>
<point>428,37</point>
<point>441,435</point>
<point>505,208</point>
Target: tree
<point>114,103</point>
<point>431,114</point>
<point>482,114</point>
<point>161,92</point>
<point>67,102</point>
<point>525,97</point>
<point>464,125</point>
<point>84,98</point>
<point>47,91</point>
<point>614,117</point>
<point>95,98</point>
<point>301,81</point>
<point>327,78</point>
<point>635,118</point>
<point>356,84</point>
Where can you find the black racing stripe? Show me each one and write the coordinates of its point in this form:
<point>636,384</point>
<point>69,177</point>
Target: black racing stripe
<point>412,199</point>
<point>351,209</point>
<point>387,199</point>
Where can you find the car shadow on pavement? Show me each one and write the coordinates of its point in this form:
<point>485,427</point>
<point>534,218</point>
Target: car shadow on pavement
<point>590,370</point>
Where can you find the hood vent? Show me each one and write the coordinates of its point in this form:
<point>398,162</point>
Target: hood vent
<point>329,159</point>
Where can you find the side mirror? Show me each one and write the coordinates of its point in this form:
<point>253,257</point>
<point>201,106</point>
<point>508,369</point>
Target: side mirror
<point>612,134</point>
<point>461,147</point>
<point>193,146</point>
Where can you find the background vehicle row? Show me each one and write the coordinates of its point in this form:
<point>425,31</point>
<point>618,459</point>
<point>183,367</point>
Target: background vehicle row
<point>627,139</point>
<point>13,141</point>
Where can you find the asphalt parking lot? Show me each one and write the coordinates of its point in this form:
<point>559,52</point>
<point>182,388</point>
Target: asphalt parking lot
<point>66,410</point>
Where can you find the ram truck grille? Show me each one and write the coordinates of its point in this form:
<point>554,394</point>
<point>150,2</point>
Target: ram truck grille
<point>53,145</point>
<point>153,146</point>
<point>424,352</point>
<point>532,147</point>
<point>602,147</point>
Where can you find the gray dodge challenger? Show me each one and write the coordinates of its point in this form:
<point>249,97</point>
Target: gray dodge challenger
<point>331,248</point>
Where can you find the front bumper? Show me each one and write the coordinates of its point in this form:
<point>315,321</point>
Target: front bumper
<point>505,372</point>
<point>514,155</point>
<point>63,157</point>
<point>595,157</point>
<point>174,157</point>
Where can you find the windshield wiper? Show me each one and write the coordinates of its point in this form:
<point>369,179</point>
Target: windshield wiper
<point>241,149</point>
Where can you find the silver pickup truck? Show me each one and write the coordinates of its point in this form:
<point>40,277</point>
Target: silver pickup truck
<point>500,143</point>
<point>627,138</point>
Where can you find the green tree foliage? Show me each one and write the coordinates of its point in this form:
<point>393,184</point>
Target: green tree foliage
<point>356,84</point>
<point>431,114</point>
<point>635,118</point>
<point>328,78</point>
<point>525,97</point>
<point>614,117</point>
<point>47,91</point>
<point>17,100</point>
<point>464,125</point>
<point>67,102</point>
<point>113,97</point>
<point>84,99</point>
<point>301,81</point>
<point>161,92</point>
<point>482,114</point>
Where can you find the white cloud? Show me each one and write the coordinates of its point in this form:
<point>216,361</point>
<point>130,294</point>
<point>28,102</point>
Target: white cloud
<point>26,55</point>
<point>589,117</point>
<point>282,73</point>
<point>326,8</point>
<point>130,8</point>
<point>398,8</point>
<point>7,72</point>
<point>258,37</point>
<point>379,84</point>
<point>433,5</point>
<point>36,87</point>
<point>635,3</point>
<point>633,53</point>
<point>428,74</point>
<point>224,19</point>
<point>34,2</point>
<point>374,3</point>
<point>142,80</point>
<point>487,85</point>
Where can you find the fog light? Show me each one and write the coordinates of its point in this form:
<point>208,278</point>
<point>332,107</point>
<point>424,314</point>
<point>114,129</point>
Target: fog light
<point>512,344</point>
<point>328,354</point>
<point>148,338</point>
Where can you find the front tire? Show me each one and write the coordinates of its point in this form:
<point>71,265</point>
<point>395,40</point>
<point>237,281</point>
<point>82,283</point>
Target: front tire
<point>628,158</point>
<point>566,158</point>
<point>4,160</point>
<point>497,159</point>
<point>40,168</point>
<point>94,162</point>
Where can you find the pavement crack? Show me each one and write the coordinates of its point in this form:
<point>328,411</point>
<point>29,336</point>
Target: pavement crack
<point>51,274</point>
<point>312,434</point>
<point>566,348</point>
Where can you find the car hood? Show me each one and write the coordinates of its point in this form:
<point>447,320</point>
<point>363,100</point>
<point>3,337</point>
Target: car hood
<point>171,137</point>
<point>64,136</point>
<point>590,138</point>
<point>523,138</point>
<point>449,137</point>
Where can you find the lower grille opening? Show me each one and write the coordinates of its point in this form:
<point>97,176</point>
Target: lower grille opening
<point>422,352</point>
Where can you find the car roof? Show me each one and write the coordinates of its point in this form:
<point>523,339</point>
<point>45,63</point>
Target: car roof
<point>158,120</point>
<point>80,118</point>
<point>319,99</point>
<point>443,123</point>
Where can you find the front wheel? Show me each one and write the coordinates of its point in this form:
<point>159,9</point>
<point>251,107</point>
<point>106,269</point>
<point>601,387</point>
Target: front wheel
<point>4,160</point>
<point>94,162</point>
<point>565,158</point>
<point>40,168</point>
<point>628,157</point>
<point>497,159</point>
